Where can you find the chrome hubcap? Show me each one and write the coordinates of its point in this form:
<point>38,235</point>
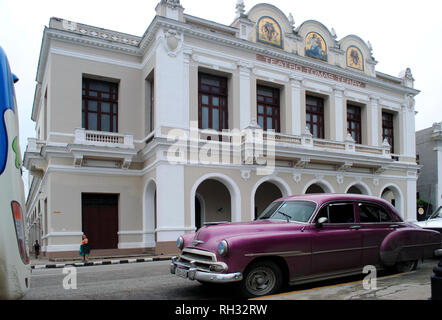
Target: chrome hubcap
<point>261,281</point>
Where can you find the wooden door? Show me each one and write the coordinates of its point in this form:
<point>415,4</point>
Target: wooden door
<point>100,220</point>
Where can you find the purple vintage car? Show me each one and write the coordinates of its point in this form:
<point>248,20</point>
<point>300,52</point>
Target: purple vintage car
<point>301,239</point>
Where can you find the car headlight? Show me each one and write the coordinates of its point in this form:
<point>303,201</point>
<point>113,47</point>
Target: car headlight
<point>180,243</point>
<point>223,248</point>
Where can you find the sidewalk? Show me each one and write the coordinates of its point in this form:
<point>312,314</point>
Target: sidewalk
<point>45,263</point>
<point>415,285</point>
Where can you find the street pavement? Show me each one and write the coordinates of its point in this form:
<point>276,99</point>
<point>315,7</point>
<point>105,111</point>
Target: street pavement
<point>153,281</point>
<point>415,285</point>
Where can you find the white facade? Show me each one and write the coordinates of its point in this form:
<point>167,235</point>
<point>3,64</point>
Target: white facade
<point>159,118</point>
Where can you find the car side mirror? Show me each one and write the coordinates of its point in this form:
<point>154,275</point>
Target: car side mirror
<point>320,222</point>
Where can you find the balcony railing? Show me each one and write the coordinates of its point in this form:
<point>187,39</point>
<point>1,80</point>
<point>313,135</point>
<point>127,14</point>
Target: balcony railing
<point>105,139</point>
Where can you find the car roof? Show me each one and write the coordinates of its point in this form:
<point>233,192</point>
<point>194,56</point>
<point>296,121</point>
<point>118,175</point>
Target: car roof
<point>325,197</point>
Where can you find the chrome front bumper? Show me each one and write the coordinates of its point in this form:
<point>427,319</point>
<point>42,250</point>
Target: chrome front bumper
<point>191,272</point>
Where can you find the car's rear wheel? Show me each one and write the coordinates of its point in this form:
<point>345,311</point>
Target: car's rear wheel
<point>406,266</point>
<point>261,278</point>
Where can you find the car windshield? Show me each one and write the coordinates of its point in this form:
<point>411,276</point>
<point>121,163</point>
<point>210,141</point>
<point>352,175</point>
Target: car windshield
<point>437,214</point>
<point>296,211</point>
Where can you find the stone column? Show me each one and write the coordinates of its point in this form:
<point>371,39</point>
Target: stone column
<point>295,85</point>
<point>374,123</point>
<point>245,92</point>
<point>340,126</point>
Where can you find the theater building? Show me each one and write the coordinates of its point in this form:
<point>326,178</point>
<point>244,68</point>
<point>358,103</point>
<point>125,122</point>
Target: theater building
<point>140,139</point>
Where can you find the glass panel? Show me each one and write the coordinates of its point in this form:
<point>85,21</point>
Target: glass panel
<point>210,81</point>
<point>260,109</point>
<point>315,131</point>
<point>269,124</point>
<point>115,124</point>
<point>215,101</point>
<point>225,120</point>
<point>92,105</point>
<point>92,121</point>
<point>100,86</point>
<point>105,95</point>
<point>93,94</point>
<point>261,121</point>
<point>341,213</point>
<point>83,120</point>
<point>269,111</point>
<point>308,117</point>
<point>205,118</point>
<point>263,91</point>
<point>205,99</point>
<point>105,107</point>
<point>105,122</point>
<point>215,119</point>
<point>115,108</point>
<point>300,211</point>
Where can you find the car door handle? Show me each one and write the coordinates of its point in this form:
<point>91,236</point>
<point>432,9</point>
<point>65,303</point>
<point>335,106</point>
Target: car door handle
<point>394,226</point>
<point>355,227</point>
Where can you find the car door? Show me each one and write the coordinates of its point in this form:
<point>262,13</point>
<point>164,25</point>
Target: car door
<point>376,223</point>
<point>336,245</point>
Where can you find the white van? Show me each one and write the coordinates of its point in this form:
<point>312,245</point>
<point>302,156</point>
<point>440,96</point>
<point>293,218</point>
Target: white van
<point>15,267</point>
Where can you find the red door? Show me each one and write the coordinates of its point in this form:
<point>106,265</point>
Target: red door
<point>100,220</point>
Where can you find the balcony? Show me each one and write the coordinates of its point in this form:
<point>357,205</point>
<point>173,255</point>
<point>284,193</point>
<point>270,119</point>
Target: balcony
<point>103,139</point>
<point>252,146</point>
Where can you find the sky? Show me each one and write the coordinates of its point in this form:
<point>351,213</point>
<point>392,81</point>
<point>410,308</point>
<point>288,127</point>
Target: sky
<point>404,34</point>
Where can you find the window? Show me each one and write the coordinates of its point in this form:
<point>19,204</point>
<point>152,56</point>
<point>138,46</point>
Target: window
<point>268,108</point>
<point>373,213</point>
<point>337,213</point>
<point>212,103</point>
<point>354,123</point>
<point>299,211</point>
<point>315,116</point>
<point>100,105</point>
<point>388,129</point>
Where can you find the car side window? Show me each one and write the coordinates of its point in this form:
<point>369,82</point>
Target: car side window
<point>373,213</point>
<point>337,213</point>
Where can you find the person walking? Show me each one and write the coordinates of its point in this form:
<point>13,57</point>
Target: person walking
<point>36,249</point>
<point>85,248</point>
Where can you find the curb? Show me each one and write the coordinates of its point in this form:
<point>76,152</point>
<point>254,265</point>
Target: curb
<point>99,263</point>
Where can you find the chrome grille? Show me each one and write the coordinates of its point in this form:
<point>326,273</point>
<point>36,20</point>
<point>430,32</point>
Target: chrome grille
<point>202,259</point>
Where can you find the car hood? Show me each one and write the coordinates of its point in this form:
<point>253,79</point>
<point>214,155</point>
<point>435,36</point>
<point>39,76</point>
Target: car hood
<point>209,236</point>
<point>433,223</point>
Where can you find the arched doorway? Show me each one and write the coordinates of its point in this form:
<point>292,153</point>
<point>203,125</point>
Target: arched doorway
<point>233,191</point>
<point>315,188</point>
<point>392,194</point>
<point>358,188</point>
<point>150,214</point>
<point>212,203</point>
<point>266,193</point>
<point>354,190</point>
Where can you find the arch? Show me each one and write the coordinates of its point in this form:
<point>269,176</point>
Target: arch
<point>202,204</point>
<point>327,187</point>
<point>361,186</point>
<point>149,213</point>
<point>280,183</point>
<point>235,195</point>
<point>398,197</point>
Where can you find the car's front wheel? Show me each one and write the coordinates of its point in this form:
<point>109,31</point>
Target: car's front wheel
<point>261,278</point>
